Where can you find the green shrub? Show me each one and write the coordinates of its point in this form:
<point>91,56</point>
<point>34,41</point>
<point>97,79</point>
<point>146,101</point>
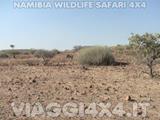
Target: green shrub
<point>97,55</point>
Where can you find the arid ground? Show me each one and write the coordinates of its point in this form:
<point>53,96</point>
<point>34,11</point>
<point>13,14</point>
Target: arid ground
<point>64,80</point>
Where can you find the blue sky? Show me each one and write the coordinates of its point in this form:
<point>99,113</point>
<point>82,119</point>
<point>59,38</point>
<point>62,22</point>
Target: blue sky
<point>63,28</point>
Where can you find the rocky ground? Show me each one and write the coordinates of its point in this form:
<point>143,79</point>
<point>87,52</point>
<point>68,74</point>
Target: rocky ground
<point>65,83</point>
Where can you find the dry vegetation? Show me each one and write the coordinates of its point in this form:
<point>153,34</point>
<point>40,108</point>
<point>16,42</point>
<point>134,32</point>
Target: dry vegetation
<point>25,78</point>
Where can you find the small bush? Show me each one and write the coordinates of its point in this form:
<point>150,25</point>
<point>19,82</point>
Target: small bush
<point>11,53</point>
<point>55,51</point>
<point>27,51</point>
<point>15,52</point>
<point>3,55</point>
<point>77,48</point>
<point>46,55</point>
<point>96,56</point>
